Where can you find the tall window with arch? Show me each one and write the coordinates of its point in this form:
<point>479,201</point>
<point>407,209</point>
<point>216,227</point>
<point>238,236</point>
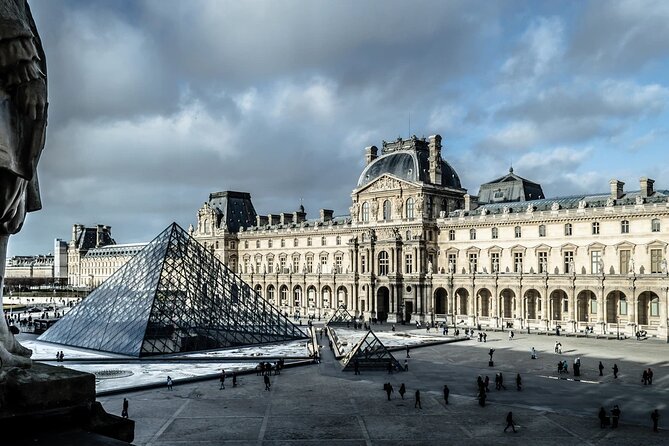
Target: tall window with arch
<point>365,212</point>
<point>451,234</point>
<point>386,210</point>
<point>383,263</point>
<point>655,225</point>
<point>625,227</point>
<point>494,233</point>
<point>517,232</point>
<point>410,208</point>
<point>472,234</point>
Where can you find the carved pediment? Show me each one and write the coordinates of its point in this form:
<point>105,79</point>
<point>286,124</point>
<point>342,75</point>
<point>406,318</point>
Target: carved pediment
<point>473,249</point>
<point>385,183</point>
<point>656,244</point>
<point>569,247</point>
<point>625,245</point>
<point>596,246</point>
<point>542,247</point>
<point>495,248</point>
<point>518,248</point>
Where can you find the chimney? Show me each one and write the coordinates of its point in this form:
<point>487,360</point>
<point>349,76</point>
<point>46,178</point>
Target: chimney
<point>471,202</point>
<point>75,232</point>
<point>98,235</point>
<point>261,220</point>
<point>286,218</point>
<point>371,154</point>
<point>326,215</point>
<point>273,219</point>
<point>616,189</point>
<point>646,187</point>
<point>434,145</point>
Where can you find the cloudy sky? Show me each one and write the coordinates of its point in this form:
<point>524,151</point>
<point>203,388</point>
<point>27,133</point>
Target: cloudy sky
<point>154,104</point>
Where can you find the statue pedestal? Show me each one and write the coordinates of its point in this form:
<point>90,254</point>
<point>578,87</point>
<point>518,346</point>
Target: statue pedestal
<point>46,403</point>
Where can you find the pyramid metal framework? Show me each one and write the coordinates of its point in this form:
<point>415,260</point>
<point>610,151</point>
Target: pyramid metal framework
<point>371,354</point>
<point>174,296</point>
<point>340,317</point>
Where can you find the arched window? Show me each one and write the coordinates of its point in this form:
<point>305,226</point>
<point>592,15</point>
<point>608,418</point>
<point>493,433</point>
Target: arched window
<point>270,294</point>
<point>409,208</point>
<point>472,234</point>
<point>494,233</point>
<point>451,234</point>
<point>383,263</point>
<point>655,225</point>
<point>517,231</point>
<point>308,241</point>
<point>283,243</point>
<point>595,228</point>
<point>338,240</point>
<point>323,241</point>
<point>386,210</point>
<point>257,243</point>
<point>295,242</point>
<point>625,227</point>
<point>365,211</point>
<point>216,244</point>
<point>542,230</point>
<point>568,229</point>
<point>284,295</point>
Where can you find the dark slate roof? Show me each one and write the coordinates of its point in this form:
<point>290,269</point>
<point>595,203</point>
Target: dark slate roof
<point>566,202</point>
<point>233,209</point>
<point>510,188</point>
<point>336,221</point>
<point>409,165</point>
<point>88,239</point>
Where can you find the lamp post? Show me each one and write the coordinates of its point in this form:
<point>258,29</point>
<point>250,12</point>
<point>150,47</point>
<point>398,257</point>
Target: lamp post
<point>618,327</point>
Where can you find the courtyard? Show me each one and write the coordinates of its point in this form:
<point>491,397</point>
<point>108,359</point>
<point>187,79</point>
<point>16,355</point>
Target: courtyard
<point>319,404</point>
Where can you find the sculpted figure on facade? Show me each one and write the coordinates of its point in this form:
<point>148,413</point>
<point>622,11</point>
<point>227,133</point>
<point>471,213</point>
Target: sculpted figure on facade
<point>23,116</point>
<point>399,204</point>
<point>375,209</point>
<point>610,202</point>
<point>663,266</point>
<point>354,210</point>
<point>506,210</point>
<point>639,199</point>
<point>429,268</point>
<point>530,208</point>
<point>630,265</point>
<point>451,267</point>
<point>555,206</point>
<point>582,204</point>
<point>419,205</point>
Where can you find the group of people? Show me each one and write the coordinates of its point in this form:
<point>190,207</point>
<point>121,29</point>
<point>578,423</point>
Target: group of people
<point>60,356</point>
<point>388,388</point>
<point>265,368</point>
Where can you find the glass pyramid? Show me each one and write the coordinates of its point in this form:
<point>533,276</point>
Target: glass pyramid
<point>371,354</point>
<point>174,296</point>
<point>340,317</point>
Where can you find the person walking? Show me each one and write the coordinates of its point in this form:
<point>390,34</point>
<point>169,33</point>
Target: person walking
<point>406,365</point>
<point>447,392</point>
<point>601,369</point>
<point>356,367</point>
<point>602,417</point>
<point>509,422</point>
<point>222,386</point>
<point>124,411</point>
<point>644,377</point>
<point>615,371</point>
<point>650,374</point>
<point>482,397</point>
<point>655,416</point>
<point>518,383</point>
<point>501,381</point>
<point>534,353</point>
<point>267,383</point>
<point>389,390</point>
<point>407,347</point>
<point>486,383</point>
<point>403,390</point>
<point>234,379</point>
<point>169,382</point>
<point>490,353</point>
<point>615,416</point>
<point>417,404</point>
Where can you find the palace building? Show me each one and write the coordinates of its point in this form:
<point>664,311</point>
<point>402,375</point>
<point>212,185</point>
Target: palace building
<point>417,246</point>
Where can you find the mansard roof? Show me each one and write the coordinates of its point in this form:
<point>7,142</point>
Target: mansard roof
<point>510,188</point>
<point>233,209</point>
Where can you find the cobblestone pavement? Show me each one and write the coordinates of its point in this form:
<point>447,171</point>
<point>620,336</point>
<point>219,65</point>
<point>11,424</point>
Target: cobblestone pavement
<point>321,405</point>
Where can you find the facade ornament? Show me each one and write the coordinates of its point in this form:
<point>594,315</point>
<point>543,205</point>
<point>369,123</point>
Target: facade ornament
<point>375,209</point>
<point>354,210</point>
<point>530,208</point>
<point>419,205</point>
<point>610,202</point>
<point>429,268</point>
<point>190,229</point>
<point>451,267</point>
<point>555,206</point>
<point>399,204</point>
<point>600,266</point>
<point>582,204</point>
<point>461,213</point>
<point>506,210</point>
<point>630,266</point>
<point>663,266</point>
<point>639,199</point>
<point>484,211</point>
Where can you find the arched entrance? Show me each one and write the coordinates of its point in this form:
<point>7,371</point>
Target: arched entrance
<point>440,301</point>
<point>483,298</point>
<point>342,296</point>
<point>558,302</point>
<point>532,304</point>
<point>382,303</point>
<point>297,297</point>
<point>311,296</point>
<point>326,295</point>
<point>507,303</point>
<point>648,307</point>
<point>616,305</point>
<point>461,301</point>
<point>586,306</point>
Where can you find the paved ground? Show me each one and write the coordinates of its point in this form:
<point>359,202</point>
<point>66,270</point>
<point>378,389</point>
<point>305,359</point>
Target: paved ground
<point>321,405</point>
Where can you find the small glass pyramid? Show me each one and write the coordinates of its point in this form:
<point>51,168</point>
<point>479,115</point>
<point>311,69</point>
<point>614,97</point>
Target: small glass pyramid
<point>340,317</point>
<point>371,354</point>
<point>174,296</point>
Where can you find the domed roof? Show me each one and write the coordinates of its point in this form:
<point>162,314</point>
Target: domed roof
<point>409,165</point>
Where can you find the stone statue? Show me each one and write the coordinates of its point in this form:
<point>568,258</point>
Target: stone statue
<point>600,266</point>
<point>610,202</point>
<point>582,204</point>
<point>630,265</point>
<point>639,199</point>
<point>375,209</point>
<point>23,111</point>
<point>451,267</point>
<point>530,208</point>
<point>354,210</point>
<point>663,266</point>
<point>555,206</point>
<point>399,203</point>
<point>429,267</point>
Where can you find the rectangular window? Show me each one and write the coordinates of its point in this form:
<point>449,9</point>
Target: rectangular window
<point>363,264</point>
<point>270,266</point>
<point>655,260</point>
<point>625,256</point>
<point>517,231</point>
<point>310,264</point>
<point>593,306</point>
<point>567,229</point>
<point>494,262</point>
<point>517,262</point>
<point>282,261</point>
<point>596,262</point>
<point>542,231</point>
<point>543,262</point>
<point>595,228</point>
<point>655,307</point>
<point>324,263</point>
<point>269,243</point>
<point>338,262</point>
<point>296,264</point>
<point>623,307</point>
<point>568,262</point>
<point>258,265</point>
<point>408,263</point>
<point>473,262</point>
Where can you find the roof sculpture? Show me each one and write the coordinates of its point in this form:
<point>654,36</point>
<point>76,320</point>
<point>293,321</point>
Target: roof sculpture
<point>370,354</point>
<point>173,296</point>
